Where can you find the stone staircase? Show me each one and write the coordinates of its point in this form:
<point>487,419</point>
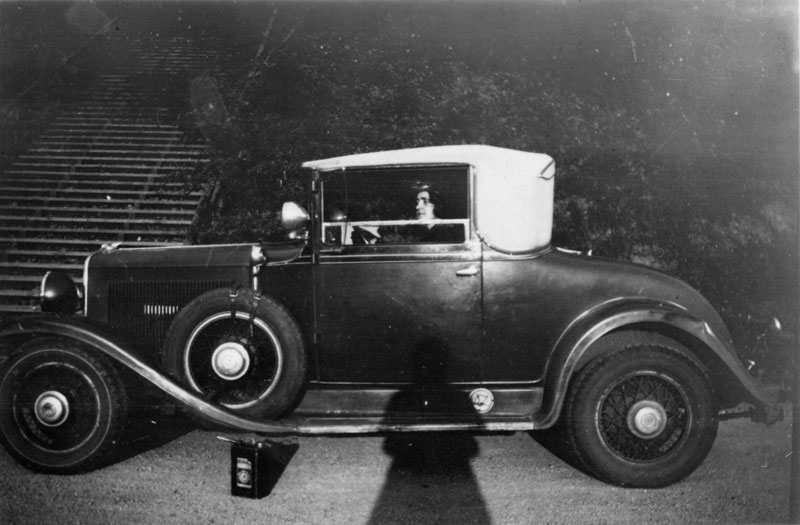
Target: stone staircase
<point>103,171</point>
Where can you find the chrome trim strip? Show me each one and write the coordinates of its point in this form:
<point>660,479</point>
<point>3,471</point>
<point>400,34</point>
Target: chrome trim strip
<point>399,258</point>
<point>86,283</point>
<point>316,427</point>
<point>41,285</point>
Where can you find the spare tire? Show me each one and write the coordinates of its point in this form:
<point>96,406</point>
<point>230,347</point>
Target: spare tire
<point>240,350</point>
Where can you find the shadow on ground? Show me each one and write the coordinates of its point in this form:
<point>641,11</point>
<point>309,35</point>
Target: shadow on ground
<point>431,478</point>
<point>149,427</point>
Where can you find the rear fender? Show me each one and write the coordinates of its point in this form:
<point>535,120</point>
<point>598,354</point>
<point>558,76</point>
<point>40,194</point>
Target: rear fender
<point>572,350</point>
<point>14,331</point>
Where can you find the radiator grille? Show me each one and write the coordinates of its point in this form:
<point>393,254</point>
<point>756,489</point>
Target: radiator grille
<point>142,311</point>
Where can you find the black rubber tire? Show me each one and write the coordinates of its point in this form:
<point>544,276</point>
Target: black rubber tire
<point>643,416</point>
<point>259,327</point>
<point>82,407</point>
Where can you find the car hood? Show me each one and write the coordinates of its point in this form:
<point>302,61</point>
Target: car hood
<point>201,256</point>
<point>175,256</point>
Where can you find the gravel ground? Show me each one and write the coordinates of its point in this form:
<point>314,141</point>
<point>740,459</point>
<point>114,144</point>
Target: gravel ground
<point>174,474</point>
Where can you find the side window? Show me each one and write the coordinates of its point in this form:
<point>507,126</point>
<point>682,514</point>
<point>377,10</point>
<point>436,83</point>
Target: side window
<point>396,206</point>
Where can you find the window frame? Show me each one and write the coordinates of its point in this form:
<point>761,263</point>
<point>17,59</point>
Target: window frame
<point>470,232</point>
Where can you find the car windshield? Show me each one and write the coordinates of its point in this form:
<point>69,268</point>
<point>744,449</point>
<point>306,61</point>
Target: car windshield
<point>396,206</point>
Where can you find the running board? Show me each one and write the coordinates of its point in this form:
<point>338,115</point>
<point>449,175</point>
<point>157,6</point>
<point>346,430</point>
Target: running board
<point>343,426</point>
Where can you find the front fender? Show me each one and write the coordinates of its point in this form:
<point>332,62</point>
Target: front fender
<point>96,337</point>
<point>574,344</point>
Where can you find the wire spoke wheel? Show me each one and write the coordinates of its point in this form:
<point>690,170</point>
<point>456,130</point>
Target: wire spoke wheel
<point>641,416</point>
<point>62,408</point>
<point>55,406</point>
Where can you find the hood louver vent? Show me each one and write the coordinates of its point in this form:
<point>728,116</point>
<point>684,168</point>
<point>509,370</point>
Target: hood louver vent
<point>143,311</point>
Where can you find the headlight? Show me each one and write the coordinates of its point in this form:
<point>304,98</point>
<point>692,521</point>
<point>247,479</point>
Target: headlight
<point>59,293</point>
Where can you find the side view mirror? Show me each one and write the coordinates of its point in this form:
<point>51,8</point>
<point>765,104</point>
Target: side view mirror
<point>294,218</point>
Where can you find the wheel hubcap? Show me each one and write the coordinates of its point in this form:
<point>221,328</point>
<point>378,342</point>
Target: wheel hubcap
<point>644,416</point>
<point>230,361</point>
<point>234,360</point>
<point>51,408</point>
<point>647,419</point>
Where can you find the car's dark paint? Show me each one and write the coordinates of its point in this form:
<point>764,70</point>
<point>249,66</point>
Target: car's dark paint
<point>226,264</point>
<point>576,300</point>
<point>283,252</point>
<point>390,333</point>
<point>511,404</point>
<point>380,316</point>
<point>188,258</point>
<point>530,302</point>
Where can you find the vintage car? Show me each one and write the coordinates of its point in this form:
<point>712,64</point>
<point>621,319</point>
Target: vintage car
<point>419,292</point>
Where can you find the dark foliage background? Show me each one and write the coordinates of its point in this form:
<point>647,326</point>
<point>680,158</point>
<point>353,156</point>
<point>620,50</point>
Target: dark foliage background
<point>674,125</point>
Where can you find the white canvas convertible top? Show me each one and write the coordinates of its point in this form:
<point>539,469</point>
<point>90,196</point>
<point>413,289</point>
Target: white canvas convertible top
<point>514,189</point>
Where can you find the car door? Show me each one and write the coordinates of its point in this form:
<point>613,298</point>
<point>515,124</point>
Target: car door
<point>394,303</point>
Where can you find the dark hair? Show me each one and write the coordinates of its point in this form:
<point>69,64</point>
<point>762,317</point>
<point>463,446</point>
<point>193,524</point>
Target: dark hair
<point>434,197</point>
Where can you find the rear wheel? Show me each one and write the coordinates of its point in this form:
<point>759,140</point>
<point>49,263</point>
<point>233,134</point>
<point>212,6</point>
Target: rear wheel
<point>62,408</point>
<point>242,351</point>
<point>641,417</point>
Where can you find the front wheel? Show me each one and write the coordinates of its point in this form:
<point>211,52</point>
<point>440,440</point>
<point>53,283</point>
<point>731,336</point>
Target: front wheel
<point>62,408</point>
<point>643,416</point>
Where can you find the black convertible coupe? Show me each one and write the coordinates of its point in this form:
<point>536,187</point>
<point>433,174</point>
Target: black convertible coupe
<point>418,291</point>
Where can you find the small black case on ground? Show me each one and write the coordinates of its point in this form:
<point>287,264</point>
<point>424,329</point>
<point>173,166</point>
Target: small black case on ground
<point>256,466</point>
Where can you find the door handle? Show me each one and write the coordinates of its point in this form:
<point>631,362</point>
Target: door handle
<point>468,272</point>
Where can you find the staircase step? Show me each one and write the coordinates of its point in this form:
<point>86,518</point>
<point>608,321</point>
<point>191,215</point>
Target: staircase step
<point>80,151</point>
<point>106,146</point>
<point>64,182</point>
<point>32,293</point>
<point>6,220</point>
<point>93,159</point>
<point>91,245</point>
<point>114,136</point>
<point>23,279</point>
<point>74,174</point>
<point>23,254</point>
<point>149,127</point>
<point>11,308</point>
<point>14,202</point>
<point>168,166</point>
<point>34,212</point>
<point>152,194</point>
<point>117,131</point>
<point>6,266</point>
<point>103,235</point>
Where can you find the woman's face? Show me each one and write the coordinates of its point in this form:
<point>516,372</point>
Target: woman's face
<point>425,208</point>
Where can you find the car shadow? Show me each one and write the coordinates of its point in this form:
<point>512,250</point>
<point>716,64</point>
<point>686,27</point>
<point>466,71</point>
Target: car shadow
<point>554,440</point>
<point>149,427</point>
<point>430,478</point>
